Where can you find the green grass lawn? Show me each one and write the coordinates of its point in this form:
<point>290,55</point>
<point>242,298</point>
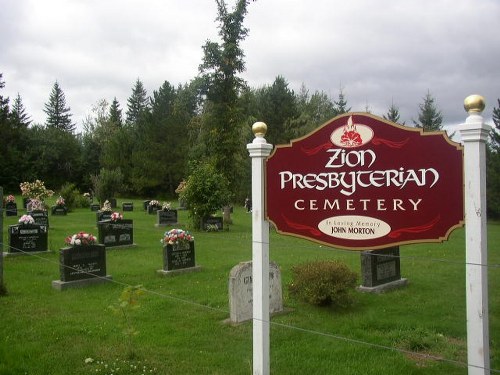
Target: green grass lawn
<point>180,321</point>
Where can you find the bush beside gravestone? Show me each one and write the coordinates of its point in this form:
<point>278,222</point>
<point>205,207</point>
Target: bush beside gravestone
<point>323,283</point>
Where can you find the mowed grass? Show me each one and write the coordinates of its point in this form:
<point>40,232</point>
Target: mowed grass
<point>420,329</point>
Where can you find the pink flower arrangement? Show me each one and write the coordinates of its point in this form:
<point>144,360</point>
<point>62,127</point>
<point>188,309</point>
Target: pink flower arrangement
<point>11,199</point>
<point>115,216</point>
<point>60,201</point>
<point>26,219</point>
<point>80,239</point>
<point>176,236</point>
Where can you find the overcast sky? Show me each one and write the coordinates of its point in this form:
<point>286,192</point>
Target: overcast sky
<point>378,52</point>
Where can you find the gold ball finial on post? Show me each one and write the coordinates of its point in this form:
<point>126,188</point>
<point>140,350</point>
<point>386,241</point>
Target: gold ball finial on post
<point>259,129</point>
<point>474,104</point>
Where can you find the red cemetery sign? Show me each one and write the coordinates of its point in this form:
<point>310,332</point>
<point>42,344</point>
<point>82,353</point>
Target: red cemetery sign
<point>360,182</point>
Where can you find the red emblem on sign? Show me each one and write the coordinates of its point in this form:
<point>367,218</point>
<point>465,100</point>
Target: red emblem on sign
<point>361,182</point>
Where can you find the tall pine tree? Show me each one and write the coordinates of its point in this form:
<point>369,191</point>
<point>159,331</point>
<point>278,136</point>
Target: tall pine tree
<point>340,105</point>
<point>223,120</point>
<point>137,104</point>
<point>393,114</point>
<point>58,114</point>
<point>115,113</point>
<point>429,117</point>
<point>18,115</point>
<point>495,132</point>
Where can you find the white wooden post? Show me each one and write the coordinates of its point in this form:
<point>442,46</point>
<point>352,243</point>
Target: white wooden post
<point>259,149</point>
<point>474,134</point>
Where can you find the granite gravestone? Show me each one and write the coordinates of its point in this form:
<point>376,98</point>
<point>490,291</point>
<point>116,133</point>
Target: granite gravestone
<point>241,291</point>
<point>59,210</point>
<point>81,265</point>
<point>166,217</point>
<point>103,215</point>
<point>180,256</point>
<point>116,233</point>
<point>128,206</point>
<point>212,223</point>
<point>381,270</point>
<point>10,209</point>
<point>25,238</point>
<point>40,216</point>
<point>95,207</point>
<point>82,262</point>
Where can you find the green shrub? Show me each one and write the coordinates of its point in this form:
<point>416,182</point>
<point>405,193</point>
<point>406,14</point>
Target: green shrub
<point>323,283</point>
<point>71,195</point>
<point>206,191</point>
<point>107,183</point>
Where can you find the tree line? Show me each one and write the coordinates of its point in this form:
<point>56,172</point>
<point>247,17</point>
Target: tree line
<point>159,139</point>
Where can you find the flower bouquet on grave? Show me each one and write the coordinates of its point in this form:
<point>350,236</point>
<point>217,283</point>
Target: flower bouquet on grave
<point>177,237</point>
<point>60,202</point>
<point>26,220</point>
<point>153,206</point>
<point>166,206</point>
<point>11,199</point>
<point>106,206</point>
<point>80,239</point>
<point>36,204</point>
<point>116,216</point>
<point>178,250</point>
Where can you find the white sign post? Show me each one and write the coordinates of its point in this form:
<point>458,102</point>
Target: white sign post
<point>259,149</point>
<point>474,134</point>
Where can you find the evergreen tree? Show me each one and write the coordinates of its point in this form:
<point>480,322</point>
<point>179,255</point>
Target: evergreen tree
<point>58,115</point>
<point>393,114</point>
<point>277,104</point>
<point>137,104</point>
<point>222,120</point>
<point>18,114</point>
<point>495,132</point>
<point>429,117</point>
<point>313,111</point>
<point>493,167</point>
<point>115,113</point>
<point>4,105</point>
<point>340,105</point>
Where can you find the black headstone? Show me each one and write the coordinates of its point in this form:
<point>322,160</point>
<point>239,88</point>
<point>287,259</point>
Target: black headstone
<point>103,215</point>
<point>40,216</point>
<point>27,238</point>
<point>116,233</point>
<point>176,257</point>
<point>212,222</point>
<point>59,210</point>
<point>10,209</point>
<point>167,217</point>
<point>128,206</point>
<point>82,262</point>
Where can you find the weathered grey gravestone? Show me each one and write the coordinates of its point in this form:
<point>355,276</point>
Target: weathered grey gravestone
<point>381,270</point>
<point>241,289</point>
